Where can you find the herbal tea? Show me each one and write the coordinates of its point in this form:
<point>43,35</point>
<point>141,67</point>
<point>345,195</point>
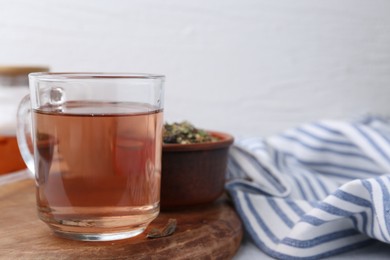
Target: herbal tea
<point>97,164</point>
<point>10,158</point>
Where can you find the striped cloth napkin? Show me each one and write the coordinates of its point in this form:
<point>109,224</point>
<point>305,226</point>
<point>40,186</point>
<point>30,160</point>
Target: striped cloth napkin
<point>316,190</point>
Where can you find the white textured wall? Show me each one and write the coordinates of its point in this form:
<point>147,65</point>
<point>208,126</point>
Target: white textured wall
<point>242,66</point>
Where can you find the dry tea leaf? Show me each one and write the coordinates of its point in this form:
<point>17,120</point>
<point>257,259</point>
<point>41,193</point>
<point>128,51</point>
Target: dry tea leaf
<point>168,230</point>
<point>185,133</point>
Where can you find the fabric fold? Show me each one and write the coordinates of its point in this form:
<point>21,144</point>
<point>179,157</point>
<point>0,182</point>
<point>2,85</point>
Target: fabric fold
<point>316,190</point>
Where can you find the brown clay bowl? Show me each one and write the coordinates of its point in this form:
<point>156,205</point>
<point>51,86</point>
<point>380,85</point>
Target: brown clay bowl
<point>194,174</point>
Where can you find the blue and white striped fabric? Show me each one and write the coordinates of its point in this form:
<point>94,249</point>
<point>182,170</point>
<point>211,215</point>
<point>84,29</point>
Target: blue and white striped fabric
<point>314,191</point>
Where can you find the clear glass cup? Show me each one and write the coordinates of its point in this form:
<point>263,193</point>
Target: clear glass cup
<point>93,142</point>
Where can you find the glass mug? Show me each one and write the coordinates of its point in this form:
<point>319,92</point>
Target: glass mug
<point>93,142</point>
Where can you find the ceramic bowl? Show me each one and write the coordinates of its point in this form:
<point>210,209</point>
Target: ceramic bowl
<point>194,174</point>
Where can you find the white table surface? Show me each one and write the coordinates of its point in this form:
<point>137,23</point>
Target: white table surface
<point>248,251</point>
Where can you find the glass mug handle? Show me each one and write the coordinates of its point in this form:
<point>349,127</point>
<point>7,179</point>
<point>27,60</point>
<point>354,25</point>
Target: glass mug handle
<point>24,133</point>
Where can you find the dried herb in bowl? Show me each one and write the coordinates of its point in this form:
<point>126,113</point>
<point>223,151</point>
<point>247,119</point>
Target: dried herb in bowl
<point>185,133</point>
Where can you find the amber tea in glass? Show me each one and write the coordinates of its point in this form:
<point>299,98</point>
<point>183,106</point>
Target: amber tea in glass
<point>97,153</point>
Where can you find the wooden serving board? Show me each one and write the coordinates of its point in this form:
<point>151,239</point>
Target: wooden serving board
<point>211,232</point>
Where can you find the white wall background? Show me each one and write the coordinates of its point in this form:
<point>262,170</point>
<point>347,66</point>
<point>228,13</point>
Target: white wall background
<point>249,67</point>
